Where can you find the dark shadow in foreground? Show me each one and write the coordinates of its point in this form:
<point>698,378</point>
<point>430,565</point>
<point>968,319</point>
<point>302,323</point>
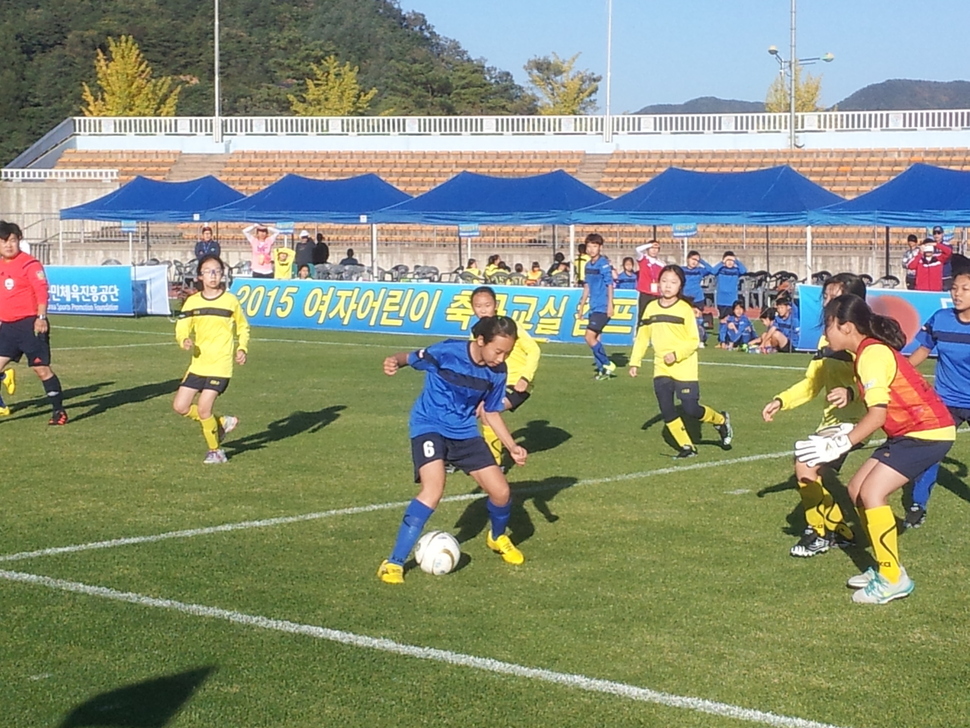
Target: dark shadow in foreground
<point>109,400</point>
<point>149,704</point>
<point>289,426</point>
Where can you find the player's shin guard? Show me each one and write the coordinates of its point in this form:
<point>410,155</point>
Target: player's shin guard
<point>52,387</point>
<point>415,516</point>
<point>210,431</point>
<point>493,442</point>
<point>599,354</point>
<point>679,433</point>
<point>881,526</point>
<point>923,485</point>
<point>812,496</point>
<point>832,515</point>
<point>712,417</point>
<point>499,517</point>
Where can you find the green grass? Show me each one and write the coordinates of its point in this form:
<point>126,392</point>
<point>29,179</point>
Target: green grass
<point>677,582</point>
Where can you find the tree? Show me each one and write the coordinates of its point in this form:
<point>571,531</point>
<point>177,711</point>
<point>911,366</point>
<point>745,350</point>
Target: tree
<point>335,91</point>
<point>561,90</point>
<point>127,86</point>
<point>808,93</point>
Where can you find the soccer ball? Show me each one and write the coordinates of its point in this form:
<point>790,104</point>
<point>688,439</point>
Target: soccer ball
<point>437,553</point>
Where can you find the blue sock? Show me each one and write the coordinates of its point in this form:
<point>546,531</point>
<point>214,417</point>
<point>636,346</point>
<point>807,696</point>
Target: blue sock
<point>923,485</point>
<point>599,353</point>
<point>499,516</point>
<point>415,516</point>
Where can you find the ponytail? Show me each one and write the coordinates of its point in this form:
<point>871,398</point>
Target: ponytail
<point>491,326</point>
<point>852,309</point>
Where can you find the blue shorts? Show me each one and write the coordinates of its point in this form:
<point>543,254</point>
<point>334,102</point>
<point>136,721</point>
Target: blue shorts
<point>466,455</point>
<point>597,322</point>
<point>909,456</point>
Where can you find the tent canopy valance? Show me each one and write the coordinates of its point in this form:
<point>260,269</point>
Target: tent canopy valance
<point>149,200</point>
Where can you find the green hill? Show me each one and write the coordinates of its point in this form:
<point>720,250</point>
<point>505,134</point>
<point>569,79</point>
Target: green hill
<point>266,47</point>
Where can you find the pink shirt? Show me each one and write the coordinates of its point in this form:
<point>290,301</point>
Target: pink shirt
<point>262,252</point>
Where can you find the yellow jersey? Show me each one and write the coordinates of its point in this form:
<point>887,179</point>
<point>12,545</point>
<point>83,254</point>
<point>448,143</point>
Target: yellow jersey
<point>283,263</point>
<point>523,360</point>
<point>827,371</point>
<point>671,329</point>
<point>213,324</point>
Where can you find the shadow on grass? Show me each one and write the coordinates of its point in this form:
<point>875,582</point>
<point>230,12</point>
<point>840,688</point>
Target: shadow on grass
<point>285,427</point>
<point>149,704</point>
<point>539,435</point>
<point>43,404</point>
<point>474,520</point>
<point>109,400</point>
<point>620,359</point>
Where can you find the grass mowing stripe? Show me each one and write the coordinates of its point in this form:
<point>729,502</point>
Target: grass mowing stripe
<point>580,682</point>
<point>283,520</point>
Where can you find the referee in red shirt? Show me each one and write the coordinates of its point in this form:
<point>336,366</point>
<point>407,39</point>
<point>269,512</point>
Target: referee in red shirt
<point>24,330</point>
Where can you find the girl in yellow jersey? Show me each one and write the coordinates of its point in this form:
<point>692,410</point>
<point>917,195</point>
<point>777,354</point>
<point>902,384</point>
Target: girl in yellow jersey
<point>668,324</point>
<point>832,371</point>
<point>209,325</point>
<point>521,363</point>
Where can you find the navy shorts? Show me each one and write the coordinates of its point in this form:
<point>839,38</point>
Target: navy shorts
<point>198,383</point>
<point>724,311</point>
<point>18,338</point>
<point>466,455</point>
<point>959,415</point>
<point>597,322</point>
<point>910,456</point>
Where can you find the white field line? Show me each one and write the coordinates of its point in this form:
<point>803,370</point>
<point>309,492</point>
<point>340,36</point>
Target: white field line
<point>568,680</point>
<point>111,346</point>
<point>284,520</point>
<point>382,346</point>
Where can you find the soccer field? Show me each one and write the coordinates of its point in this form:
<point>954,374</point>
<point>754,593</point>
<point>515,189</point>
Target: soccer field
<point>141,588</point>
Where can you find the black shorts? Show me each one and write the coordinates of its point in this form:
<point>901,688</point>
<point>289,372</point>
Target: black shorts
<point>597,322</point>
<point>262,275</point>
<point>725,311</point>
<point>788,348</point>
<point>18,338</point>
<point>198,383</point>
<point>466,455</point>
<point>516,399</point>
<point>910,456</point>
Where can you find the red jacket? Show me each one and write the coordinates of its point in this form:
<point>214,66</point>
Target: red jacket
<point>23,287</point>
<point>929,274</point>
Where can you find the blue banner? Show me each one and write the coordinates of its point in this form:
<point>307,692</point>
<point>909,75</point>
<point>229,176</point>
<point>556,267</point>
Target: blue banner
<point>92,290</point>
<point>910,308</point>
<point>438,309</point>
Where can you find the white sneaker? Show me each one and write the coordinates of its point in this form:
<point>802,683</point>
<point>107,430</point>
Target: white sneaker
<point>861,581</point>
<point>215,457</point>
<point>879,590</point>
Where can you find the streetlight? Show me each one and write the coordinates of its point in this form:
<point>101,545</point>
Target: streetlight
<point>607,121</point>
<point>790,67</point>
<point>216,119</point>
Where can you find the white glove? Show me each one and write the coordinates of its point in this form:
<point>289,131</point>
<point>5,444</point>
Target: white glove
<point>816,449</point>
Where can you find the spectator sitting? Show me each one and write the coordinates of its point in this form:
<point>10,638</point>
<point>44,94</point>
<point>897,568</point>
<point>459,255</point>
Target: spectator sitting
<point>582,258</point>
<point>350,259</point>
<point>321,251</point>
<point>626,277</point>
<point>556,260</point>
<point>207,245</point>
<point>533,277</point>
<point>304,249</point>
<point>303,272</point>
<point>472,267</point>
<point>930,266</point>
<point>736,330</point>
<point>519,268</point>
<point>783,330</point>
<point>727,273</point>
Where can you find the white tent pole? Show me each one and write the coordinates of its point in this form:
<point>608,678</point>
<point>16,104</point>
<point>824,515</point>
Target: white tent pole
<point>373,250</point>
<point>808,253</point>
<point>131,250</point>
<point>572,255</point>
<point>60,242</point>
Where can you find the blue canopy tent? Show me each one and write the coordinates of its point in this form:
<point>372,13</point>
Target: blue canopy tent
<point>301,199</point>
<point>544,199</point>
<point>771,196</point>
<point>150,200</point>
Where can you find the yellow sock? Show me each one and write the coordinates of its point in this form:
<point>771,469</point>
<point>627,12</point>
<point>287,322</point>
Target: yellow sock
<point>832,513</point>
<point>812,496</point>
<point>193,413</point>
<point>679,432</point>
<point>712,417</point>
<point>494,444</point>
<point>210,431</point>
<point>881,525</point>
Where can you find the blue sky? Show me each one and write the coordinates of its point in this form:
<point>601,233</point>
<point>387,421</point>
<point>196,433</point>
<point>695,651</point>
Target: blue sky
<point>676,50</point>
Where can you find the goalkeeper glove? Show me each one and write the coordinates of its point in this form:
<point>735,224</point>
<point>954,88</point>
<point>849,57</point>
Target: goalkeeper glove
<point>817,450</point>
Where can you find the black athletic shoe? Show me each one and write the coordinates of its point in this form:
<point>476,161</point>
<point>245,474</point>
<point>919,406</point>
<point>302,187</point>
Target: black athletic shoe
<point>58,418</point>
<point>810,544</point>
<point>914,516</point>
<point>725,431</point>
<point>686,452</point>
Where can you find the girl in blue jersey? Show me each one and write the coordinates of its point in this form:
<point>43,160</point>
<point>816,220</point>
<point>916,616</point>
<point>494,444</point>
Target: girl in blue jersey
<point>626,277</point>
<point>948,332</point>
<point>463,378</point>
<point>736,329</point>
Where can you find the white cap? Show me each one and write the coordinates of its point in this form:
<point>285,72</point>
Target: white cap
<point>304,233</point>
<point>929,248</point>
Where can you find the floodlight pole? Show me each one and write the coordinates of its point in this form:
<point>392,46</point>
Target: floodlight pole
<point>217,113</point>
<point>607,120</point>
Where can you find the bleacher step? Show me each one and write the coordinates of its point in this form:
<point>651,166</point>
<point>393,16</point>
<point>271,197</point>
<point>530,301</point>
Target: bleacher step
<point>193,166</point>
